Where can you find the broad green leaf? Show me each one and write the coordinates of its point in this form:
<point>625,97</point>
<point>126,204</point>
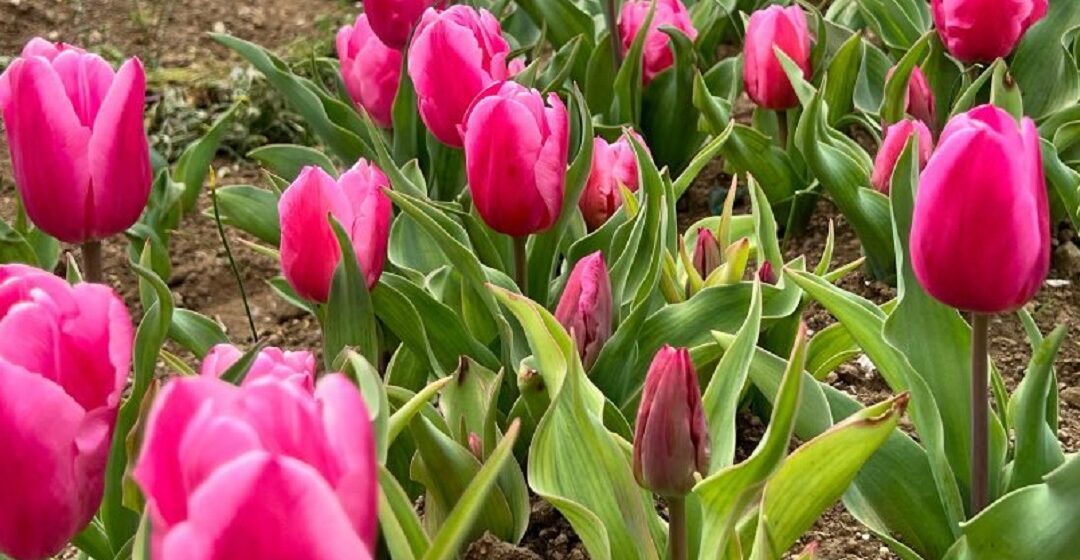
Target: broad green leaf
<point>563,19</point>
<point>1038,451</point>
<point>348,318</point>
<point>252,210</point>
<point>843,73</point>
<point>1043,65</point>
<point>673,135</point>
<point>195,332</point>
<point>829,348</point>
<point>287,160</point>
<point>401,417</point>
<point>1064,182</point>
<point>194,164</point>
<point>1004,92</point>
<point>896,86</point>
<point>899,23</point>
<point>14,248</point>
<point>399,525</point>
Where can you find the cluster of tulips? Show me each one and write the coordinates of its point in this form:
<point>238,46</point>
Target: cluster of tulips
<point>257,455</point>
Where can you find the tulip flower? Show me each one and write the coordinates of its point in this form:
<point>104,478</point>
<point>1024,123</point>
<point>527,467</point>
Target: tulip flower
<point>980,235</point>
<point>920,98</point>
<point>766,82</point>
<point>585,307</point>
<point>79,152</point>
<point>393,20</point>
<point>707,255</point>
<point>516,150</point>
<point>612,164</point>
<point>766,274</point>
<point>982,30</point>
<point>65,353</point>
<point>370,69</point>
<point>454,55</point>
<point>896,138</point>
<point>269,469</point>
<point>657,55</point>
<point>298,367</point>
<point>309,249</point>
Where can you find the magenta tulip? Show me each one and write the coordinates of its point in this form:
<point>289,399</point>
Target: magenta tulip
<point>657,55</point>
<point>766,82</point>
<point>65,353</point>
<point>982,30</point>
<point>309,248</point>
<point>516,150</point>
<point>79,152</point>
<point>896,138</point>
<point>706,257</point>
<point>393,20</point>
<point>370,69</point>
<point>920,101</point>
<point>671,441</point>
<point>453,57</point>
<point>584,309</point>
<point>980,236</point>
<point>298,367</point>
<point>269,470</point>
<point>612,164</point>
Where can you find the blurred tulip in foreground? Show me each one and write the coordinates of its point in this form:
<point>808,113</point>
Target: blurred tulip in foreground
<point>982,30</point>
<point>79,151</point>
<point>393,20</point>
<point>896,138</point>
<point>657,55</point>
<point>370,69</point>
<point>298,367</point>
<point>309,249</point>
<point>763,75</point>
<point>612,164</point>
<point>516,150</point>
<point>65,353</point>
<point>453,57</point>
<point>980,235</point>
<point>585,307</point>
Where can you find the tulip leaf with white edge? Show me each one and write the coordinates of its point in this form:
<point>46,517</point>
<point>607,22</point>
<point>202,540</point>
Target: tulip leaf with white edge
<point>626,108</point>
<point>750,151</point>
<point>120,523</point>
<point>600,74</point>
<point>563,19</point>
<point>563,63</point>
<point>288,160</point>
<point>1064,183</point>
<point>14,247</point>
<point>399,181</point>
<point>348,318</point>
<point>896,86</point>
<point>316,109</point>
<point>969,97</point>
<point>1004,91</point>
<point>194,163</point>
<point>196,332</point>
<point>1043,64</point>
<point>829,348</point>
<point>870,87</point>
<point>252,210</point>
<point>843,74</point>
<point>814,476</point>
<point>367,378</point>
<point>399,524</point>
<point>899,23</point>
<point>409,131</point>
<point>454,532</point>
<point>673,135</point>
<point>1038,451</point>
<point>401,417</point>
<point>714,111</point>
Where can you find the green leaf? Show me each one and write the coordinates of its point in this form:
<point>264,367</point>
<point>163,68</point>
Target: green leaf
<point>1043,64</point>
<point>1004,92</point>
<point>628,80</point>
<point>236,373</point>
<point>14,248</point>
<point>673,135</point>
<point>287,160</point>
<point>564,20</point>
<point>367,378</point>
<point>1064,182</point>
<point>348,318</point>
<point>839,89</point>
<point>1038,451</point>
<point>401,417</point>
<point>195,332</point>
<point>399,525</point>
<point>829,348</point>
<point>899,23</point>
<point>896,86</point>
<point>194,164</point>
<point>750,151</point>
<point>252,210</point>
<point>409,131</point>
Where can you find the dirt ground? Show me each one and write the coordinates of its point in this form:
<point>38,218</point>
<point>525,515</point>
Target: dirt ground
<point>171,35</point>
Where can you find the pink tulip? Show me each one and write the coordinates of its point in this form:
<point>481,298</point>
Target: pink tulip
<point>267,470</point>
<point>982,30</point>
<point>65,353</point>
<point>78,148</point>
<point>516,150</point>
<point>763,75</point>
<point>393,20</point>
<point>370,69</point>
<point>309,249</point>
<point>454,55</point>
<point>706,257</point>
<point>671,442</point>
<point>585,307</point>
<point>980,236</point>
<point>920,98</point>
<point>298,367</point>
<point>657,55</point>
<point>612,164</point>
<point>896,139</point>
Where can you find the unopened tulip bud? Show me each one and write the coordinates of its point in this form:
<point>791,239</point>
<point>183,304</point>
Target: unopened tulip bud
<point>920,98</point>
<point>657,55</point>
<point>476,446</point>
<point>982,30</point>
<point>585,307</point>
<point>980,234</point>
<point>896,138</point>
<point>612,164</point>
<point>763,75</point>
<point>766,274</point>
<point>671,443</point>
<point>707,256</point>
<point>370,69</point>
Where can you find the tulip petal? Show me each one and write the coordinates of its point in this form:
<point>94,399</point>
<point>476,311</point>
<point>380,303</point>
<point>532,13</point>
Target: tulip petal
<point>119,154</point>
<point>309,248</point>
<point>371,213</point>
<point>86,79</point>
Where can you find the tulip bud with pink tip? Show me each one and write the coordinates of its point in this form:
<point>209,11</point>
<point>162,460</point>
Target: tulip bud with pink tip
<point>671,441</point>
<point>393,20</point>
<point>65,353</point>
<point>920,102</point>
<point>707,255</point>
<point>763,76</point>
<point>309,249</point>
<point>454,55</point>
<point>896,138</point>
<point>79,151</point>
<point>516,150</point>
<point>657,54</point>
<point>370,69</point>
<point>766,274</point>
<point>980,234</point>
<point>585,308</point>
<point>612,164</point>
<point>982,30</point>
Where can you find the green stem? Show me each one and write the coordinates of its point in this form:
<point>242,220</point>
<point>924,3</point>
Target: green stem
<point>521,267</point>
<point>782,128</point>
<point>980,327</point>
<point>235,268</point>
<point>677,528</point>
<point>611,14</point>
<point>91,253</point>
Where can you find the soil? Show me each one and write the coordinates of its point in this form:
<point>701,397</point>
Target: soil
<point>203,281</point>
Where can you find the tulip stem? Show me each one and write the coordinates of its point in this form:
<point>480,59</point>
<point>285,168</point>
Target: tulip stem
<point>91,253</point>
<point>521,268</point>
<point>676,527</point>
<point>611,15</point>
<point>980,327</point>
<point>232,261</point>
